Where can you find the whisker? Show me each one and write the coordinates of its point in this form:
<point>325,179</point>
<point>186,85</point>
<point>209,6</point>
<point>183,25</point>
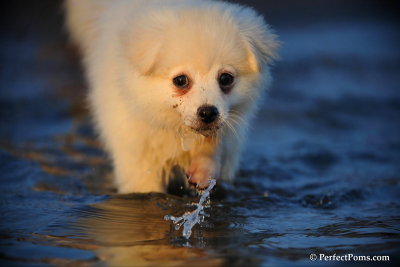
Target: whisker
<point>233,130</point>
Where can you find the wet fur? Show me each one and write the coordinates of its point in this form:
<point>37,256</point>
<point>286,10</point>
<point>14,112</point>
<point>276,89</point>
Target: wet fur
<point>132,50</point>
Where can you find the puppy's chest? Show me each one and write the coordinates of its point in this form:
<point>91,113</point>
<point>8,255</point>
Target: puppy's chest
<point>168,149</point>
<point>176,160</point>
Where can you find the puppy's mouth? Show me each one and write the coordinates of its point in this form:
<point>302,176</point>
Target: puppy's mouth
<point>207,130</point>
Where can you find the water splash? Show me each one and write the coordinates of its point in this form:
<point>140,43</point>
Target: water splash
<point>190,218</point>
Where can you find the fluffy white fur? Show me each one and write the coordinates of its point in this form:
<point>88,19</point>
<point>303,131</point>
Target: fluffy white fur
<point>132,50</point>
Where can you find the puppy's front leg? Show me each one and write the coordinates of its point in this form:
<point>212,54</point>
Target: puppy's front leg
<point>134,167</point>
<point>205,163</point>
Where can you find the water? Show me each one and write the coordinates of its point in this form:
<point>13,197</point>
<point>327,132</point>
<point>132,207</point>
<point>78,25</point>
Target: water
<point>190,218</point>
<point>320,173</point>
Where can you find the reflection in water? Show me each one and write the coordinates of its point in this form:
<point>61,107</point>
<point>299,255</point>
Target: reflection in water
<point>131,230</point>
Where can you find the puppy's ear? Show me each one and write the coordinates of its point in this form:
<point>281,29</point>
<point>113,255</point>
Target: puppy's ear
<point>143,48</point>
<point>261,42</point>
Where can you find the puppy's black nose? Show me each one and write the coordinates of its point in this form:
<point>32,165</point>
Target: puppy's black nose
<point>207,113</point>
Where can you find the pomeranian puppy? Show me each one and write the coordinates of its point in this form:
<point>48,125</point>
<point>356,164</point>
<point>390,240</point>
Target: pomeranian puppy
<point>173,85</point>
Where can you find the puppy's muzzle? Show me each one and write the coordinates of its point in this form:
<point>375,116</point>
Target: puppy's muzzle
<point>208,118</point>
<point>207,114</point>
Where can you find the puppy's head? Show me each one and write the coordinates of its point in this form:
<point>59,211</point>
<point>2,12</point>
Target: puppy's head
<point>200,67</point>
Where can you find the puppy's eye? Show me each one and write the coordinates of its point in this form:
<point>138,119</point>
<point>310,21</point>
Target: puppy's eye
<point>181,81</point>
<point>226,82</point>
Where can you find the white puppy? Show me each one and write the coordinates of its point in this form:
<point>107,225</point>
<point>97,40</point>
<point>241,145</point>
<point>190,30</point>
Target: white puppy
<point>173,84</point>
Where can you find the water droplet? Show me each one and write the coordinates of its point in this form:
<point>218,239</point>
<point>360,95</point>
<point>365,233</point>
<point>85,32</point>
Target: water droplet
<point>186,142</point>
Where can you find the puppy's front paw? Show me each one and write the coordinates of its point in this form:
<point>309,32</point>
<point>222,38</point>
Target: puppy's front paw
<point>202,169</point>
